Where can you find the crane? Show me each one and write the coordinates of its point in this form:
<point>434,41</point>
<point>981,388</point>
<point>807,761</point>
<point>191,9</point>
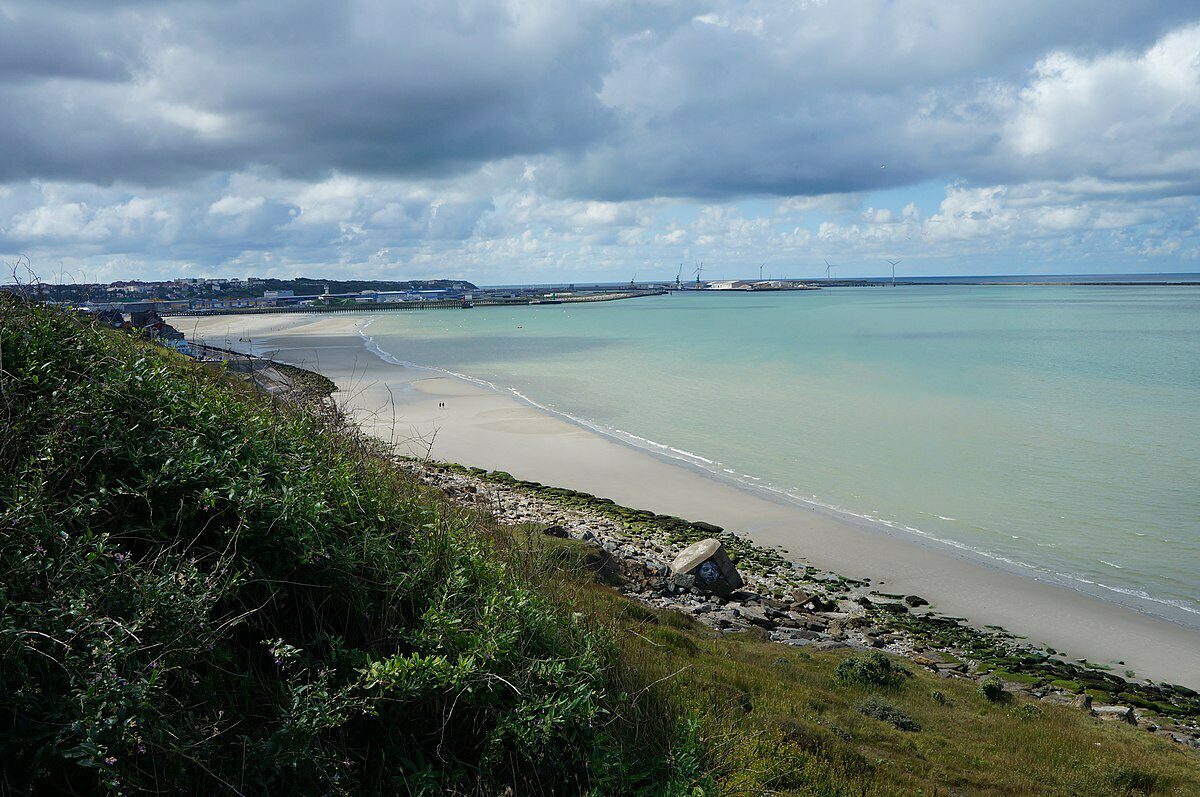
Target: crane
<point>678,274</point>
<point>699,272</point>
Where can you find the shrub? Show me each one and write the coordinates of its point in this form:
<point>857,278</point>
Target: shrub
<point>877,709</point>
<point>993,690</point>
<point>204,587</point>
<point>872,669</point>
<point>939,697</point>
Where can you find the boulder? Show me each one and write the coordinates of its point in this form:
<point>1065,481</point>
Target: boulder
<point>829,644</point>
<point>555,531</point>
<point>810,602</point>
<point>755,616</point>
<point>708,562</point>
<point>915,601</point>
<point>1122,713</point>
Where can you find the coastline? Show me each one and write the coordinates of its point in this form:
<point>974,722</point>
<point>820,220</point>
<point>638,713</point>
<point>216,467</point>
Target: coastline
<point>485,428</point>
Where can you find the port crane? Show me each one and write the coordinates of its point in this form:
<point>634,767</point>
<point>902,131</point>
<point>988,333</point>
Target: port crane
<point>678,274</point>
<point>699,273</point>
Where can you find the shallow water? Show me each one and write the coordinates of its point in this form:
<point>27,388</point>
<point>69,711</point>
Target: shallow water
<point>1051,428</point>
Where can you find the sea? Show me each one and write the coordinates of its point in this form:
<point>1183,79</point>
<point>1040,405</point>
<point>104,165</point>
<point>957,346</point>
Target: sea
<point>1053,430</point>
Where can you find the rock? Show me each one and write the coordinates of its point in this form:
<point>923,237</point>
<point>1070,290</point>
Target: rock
<point>796,642</point>
<point>801,634</point>
<point>829,644</point>
<point>915,601</point>
<point>555,531</point>
<point>683,580</point>
<point>709,564</point>
<point>810,602</point>
<point>1122,713</point>
<point>755,616</point>
<point>1083,702</point>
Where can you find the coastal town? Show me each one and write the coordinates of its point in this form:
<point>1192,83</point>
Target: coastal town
<point>209,296</point>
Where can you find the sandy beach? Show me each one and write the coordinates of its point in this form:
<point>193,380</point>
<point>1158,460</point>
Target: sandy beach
<point>427,412</point>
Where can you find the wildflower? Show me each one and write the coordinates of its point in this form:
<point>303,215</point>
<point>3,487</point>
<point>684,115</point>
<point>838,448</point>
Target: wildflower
<point>111,760</point>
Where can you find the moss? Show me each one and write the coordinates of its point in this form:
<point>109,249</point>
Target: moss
<point>1066,686</point>
<point>1017,677</point>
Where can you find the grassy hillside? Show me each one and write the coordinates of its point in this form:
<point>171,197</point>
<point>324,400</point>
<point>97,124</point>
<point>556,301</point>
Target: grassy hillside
<point>207,591</point>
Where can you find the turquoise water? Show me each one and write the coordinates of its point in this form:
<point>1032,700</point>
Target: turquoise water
<point>1054,429</point>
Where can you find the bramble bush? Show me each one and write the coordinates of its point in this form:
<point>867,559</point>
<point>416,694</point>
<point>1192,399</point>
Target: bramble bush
<point>207,590</point>
<point>872,669</point>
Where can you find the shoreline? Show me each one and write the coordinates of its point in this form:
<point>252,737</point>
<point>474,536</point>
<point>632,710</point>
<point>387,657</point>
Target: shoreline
<point>484,427</point>
<point>1163,609</point>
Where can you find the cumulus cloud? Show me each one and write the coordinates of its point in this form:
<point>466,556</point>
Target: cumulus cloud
<point>480,136</point>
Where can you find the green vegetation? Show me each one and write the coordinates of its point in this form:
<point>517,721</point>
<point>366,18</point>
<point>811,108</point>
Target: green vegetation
<point>872,669</point>
<point>208,591</point>
<point>206,588</point>
<point>993,689</point>
<point>876,708</point>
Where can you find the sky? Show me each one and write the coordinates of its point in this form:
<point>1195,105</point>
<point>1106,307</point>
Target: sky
<point>507,142</point>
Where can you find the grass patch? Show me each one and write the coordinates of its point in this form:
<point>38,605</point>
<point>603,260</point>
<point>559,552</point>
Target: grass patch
<point>877,708</point>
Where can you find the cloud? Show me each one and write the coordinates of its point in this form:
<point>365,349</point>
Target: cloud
<point>1120,116</point>
<point>481,135</point>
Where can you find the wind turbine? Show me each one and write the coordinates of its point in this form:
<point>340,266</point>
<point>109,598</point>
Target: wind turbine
<point>828,267</point>
<point>893,262</point>
<point>699,272</point>
<point>760,268</point>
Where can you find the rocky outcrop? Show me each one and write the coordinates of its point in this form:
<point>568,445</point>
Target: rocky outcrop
<point>708,567</point>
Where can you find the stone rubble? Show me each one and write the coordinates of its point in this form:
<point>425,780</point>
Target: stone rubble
<point>806,617</point>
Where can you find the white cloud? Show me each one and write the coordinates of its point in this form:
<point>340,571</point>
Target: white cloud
<point>235,205</point>
<point>611,135</point>
<point>1122,115</point>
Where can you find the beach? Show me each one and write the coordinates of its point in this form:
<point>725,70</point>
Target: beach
<point>426,412</point>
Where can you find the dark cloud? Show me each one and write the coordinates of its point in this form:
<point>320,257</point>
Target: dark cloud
<point>711,100</point>
<point>308,87</point>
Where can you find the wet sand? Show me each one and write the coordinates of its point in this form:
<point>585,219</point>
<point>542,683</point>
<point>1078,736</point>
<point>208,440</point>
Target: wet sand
<point>481,427</point>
